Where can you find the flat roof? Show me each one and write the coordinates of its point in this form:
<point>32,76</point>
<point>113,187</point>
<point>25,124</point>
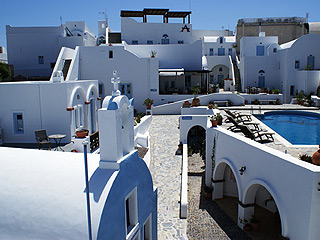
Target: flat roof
<point>155,11</point>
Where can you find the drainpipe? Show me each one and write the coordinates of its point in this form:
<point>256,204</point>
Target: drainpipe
<point>85,145</point>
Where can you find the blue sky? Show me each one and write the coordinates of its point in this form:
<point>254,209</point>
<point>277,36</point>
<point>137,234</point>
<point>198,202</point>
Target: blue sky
<point>209,15</point>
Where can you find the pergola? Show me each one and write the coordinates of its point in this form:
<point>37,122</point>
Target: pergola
<point>154,11</point>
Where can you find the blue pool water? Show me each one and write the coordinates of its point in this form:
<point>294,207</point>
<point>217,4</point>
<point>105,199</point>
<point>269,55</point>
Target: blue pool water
<point>300,128</point>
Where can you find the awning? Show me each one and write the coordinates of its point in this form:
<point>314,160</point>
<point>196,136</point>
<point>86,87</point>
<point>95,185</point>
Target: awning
<point>171,72</point>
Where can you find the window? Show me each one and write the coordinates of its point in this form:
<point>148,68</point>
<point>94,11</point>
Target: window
<point>187,81</point>
<point>110,54</point>
<point>180,42</point>
<point>292,90</point>
<point>18,123</point>
<point>41,59</point>
<point>296,64</point>
<point>78,116</point>
<point>147,229</point>
<point>149,42</point>
<point>134,42</point>
<point>52,65</point>
<point>101,90</point>
<point>165,39</point>
<point>221,39</point>
<point>126,89</point>
<point>229,51</point>
<point>211,52</point>
<point>260,50</point>
<point>221,52</point>
<point>275,50</point>
<point>131,211</point>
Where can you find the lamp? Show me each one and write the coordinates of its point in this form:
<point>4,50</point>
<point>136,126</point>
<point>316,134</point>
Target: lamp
<point>242,169</point>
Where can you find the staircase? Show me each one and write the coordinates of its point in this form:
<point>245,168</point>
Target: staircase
<point>236,75</point>
<point>65,68</point>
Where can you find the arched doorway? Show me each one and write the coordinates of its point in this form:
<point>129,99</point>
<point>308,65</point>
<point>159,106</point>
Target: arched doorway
<point>263,208</point>
<point>196,140</point>
<point>261,79</point>
<point>218,74</point>
<point>226,193</point>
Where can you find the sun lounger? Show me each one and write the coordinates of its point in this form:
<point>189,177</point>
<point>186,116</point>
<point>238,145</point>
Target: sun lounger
<point>239,117</point>
<point>236,125</point>
<point>254,135</point>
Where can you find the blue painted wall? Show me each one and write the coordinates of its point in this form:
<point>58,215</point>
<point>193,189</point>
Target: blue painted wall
<point>133,172</point>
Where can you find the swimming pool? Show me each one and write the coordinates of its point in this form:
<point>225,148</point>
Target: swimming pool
<point>297,127</point>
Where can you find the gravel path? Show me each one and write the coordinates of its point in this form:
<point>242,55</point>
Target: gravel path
<point>206,220</point>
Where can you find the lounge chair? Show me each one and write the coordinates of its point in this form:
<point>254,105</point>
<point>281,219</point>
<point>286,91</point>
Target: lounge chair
<point>254,135</point>
<point>239,117</point>
<point>42,138</point>
<point>236,125</point>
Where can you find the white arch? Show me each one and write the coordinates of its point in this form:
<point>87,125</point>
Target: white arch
<point>218,173</point>
<point>90,89</point>
<point>73,95</point>
<point>252,187</point>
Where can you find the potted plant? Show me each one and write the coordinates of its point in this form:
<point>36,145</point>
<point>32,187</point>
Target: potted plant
<point>195,100</point>
<point>219,119</point>
<point>153,54</point>
<point>256,101</point>
<point>214,120</point>
<point>275,91</point>
<point>211,105</point>
<point>74,150</point>
<point>316,157</point>
<point>278,101</point>
<point>82,133</point>
<point>186,104</point>
<point>148,102</point>
<point>255,223</point>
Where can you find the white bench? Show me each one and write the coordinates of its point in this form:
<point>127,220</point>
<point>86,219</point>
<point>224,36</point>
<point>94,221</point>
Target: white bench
<point>267,101</point>
<point>221,102</point>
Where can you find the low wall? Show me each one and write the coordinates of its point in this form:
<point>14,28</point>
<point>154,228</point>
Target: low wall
<point>184,182</point>
<point>141,134</point>
<point>262,96</point>
<point>175,108</point>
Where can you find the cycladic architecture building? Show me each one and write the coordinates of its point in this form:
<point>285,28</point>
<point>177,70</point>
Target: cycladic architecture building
<point>45,194</point>
<point>58,106</point>
<point>291,67</point>
<point>33,51</point>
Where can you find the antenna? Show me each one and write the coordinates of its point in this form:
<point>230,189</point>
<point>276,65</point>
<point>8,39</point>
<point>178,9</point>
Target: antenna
<point>61,20</point>
<point>307,16</point>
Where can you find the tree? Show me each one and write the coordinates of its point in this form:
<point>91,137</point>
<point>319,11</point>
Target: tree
<point>4,72</point>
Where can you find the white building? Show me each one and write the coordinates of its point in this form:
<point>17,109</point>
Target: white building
<point>290,67</point>
<point>58,107</point>
<point>45,194</point>
<point>33,51</point>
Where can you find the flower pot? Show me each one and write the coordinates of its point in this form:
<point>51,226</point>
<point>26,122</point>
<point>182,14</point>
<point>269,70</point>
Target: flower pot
<point>149,106</point>
<point>214,123</point>
<point>219,121</point>
<point>186,104</point>
<point>195,102</point>
<point>210,106</point>
<point>316,157</point>
<point>208,192</point>
<point>82,134</point>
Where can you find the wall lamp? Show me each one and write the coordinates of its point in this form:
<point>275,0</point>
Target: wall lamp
<point>242,169</point>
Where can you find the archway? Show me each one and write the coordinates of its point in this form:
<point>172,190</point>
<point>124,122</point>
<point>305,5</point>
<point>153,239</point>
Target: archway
<point>92,102</point>
<point>218,74</point>
<point>196,139</point>
<point>76,104</point>
<point>262,207</point>
<point>226,193</point>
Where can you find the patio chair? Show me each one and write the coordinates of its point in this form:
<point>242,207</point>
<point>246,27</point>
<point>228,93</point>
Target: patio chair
<point>254,135</point>
<point>237,126</point>
<point>239,117</point>
<point>42,138</point>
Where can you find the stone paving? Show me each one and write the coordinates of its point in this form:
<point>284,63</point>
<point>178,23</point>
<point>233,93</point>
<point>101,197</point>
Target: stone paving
<point>166,169</point>
<point>206,220</point>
